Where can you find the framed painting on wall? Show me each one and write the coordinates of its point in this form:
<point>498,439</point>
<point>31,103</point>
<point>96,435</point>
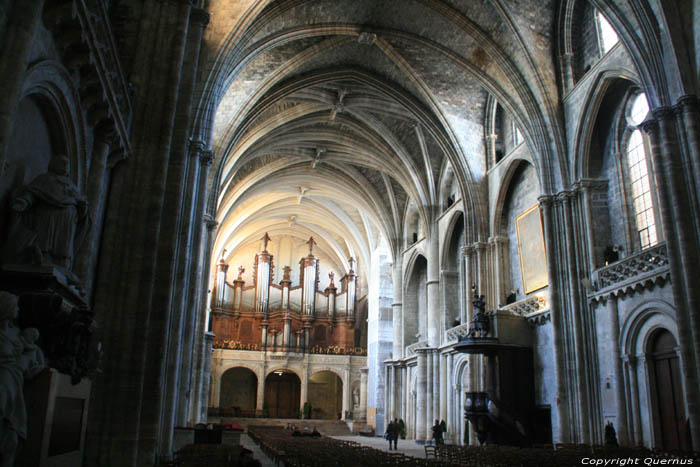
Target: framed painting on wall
<point>531,250</point>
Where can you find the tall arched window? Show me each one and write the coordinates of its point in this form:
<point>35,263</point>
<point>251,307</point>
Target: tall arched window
<point>641,184</point>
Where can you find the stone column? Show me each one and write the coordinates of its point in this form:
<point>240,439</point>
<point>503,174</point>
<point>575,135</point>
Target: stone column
<point>304,396</point>
<point>429,374</point>
<point>459,411</point>
<point>398,390</point>
<point>405,394</point>
<point>573,292</point>
<point>397,309</point>
<point>436,383</point>
<point>567,70</point>
<point>449,388</point>
<point>560,431</point>
<point>421,394</point>
<point>260,395</point>
<point>481,271</point>
<point>215,389</point>
<point>15,50</point>
<point>636,431</point>
<point>347,394</point>
<point>206,374</point>
<point>194,294</point>
<point>387,393</point>
<point>675,199</point>
<point>585,188</point>
<point>620,403</point>
<point>491,147</point>
<point>200,356</point>
<point>433,288</point>
<point>443,386</point>
<point>363,393</point>
<point>467,309</point>
<point>499,247</point>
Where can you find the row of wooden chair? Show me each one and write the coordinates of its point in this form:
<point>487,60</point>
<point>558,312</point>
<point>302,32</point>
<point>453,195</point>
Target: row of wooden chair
<point>560,455</point>
<point>328,452</point>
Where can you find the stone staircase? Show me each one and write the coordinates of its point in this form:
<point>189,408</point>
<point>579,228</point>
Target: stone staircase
<point>325,427</point>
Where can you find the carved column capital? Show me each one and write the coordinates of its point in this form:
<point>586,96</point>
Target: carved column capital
<point>199,16</point>
<point>649,126</point>
<point>662,113</point>
<point>565,195</point>
<point>196,146</point>
<point>545,201</point>
<point>589,184</point>
<point>206,158</point>
<point>496,239</point>
<point>480,246</point>
<point>468,250</point>
<point>210,222</point>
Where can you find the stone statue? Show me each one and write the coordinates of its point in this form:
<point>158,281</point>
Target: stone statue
<point>50,219</point>
<point>356,397</point>
<point>32,360</point>
<point>13,414</point>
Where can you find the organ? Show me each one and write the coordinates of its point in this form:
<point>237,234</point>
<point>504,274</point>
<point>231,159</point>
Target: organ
<point>283,316</point>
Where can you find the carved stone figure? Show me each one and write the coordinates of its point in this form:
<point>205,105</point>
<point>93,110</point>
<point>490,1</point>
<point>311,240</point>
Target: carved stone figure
<point>50,219</point>
<point>356,397</point>
<point>32,360</point>
<point>13,415</point>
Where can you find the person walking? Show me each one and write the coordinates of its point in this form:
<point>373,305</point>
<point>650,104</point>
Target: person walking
<point>395,436</point>
<point>389,435</point>
<point>437,433</point>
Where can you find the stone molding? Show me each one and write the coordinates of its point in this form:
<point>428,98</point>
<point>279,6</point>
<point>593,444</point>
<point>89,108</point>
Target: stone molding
<point>413,348</point>
<point>82,32</point>
<point>458,332</point>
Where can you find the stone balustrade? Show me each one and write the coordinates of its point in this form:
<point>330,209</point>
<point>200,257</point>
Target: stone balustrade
<point>458,332</point>
<point>641,269</point>
<point>526,306</point>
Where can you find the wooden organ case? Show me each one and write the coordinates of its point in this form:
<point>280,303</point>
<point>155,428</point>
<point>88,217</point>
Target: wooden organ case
<point>285,317</point>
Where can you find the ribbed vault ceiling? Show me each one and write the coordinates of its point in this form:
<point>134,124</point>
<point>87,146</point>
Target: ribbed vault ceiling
<point>331,117</point>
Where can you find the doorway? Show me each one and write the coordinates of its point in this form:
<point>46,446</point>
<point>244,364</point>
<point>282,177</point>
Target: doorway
<point>282,393</point>
<point>326,395</point>
<point>669,410</point>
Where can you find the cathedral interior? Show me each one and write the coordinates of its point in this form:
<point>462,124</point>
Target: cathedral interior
<point>482,212</point>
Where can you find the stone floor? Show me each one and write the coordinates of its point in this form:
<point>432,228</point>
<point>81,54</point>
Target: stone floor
<point>248,443</point>
<point>405,446</point>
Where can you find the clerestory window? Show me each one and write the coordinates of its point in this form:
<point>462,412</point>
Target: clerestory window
<point>638,165</point>
<point>607,37</point>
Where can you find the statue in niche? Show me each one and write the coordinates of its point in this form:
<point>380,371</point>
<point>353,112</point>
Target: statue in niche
<point>50,219</point>
<point>356,397</point>
<point>20,358</point>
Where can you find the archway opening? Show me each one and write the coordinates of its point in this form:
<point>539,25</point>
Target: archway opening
<point>326,395</point>
<point>239,388</point>
<point>282,394</point>
<point>416,303</point>
<point>453,293</point>
<point>669,410</point>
